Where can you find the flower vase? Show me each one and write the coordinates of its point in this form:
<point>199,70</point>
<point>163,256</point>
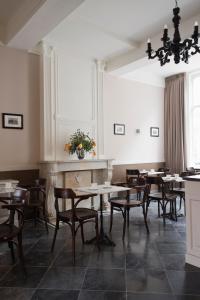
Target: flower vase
<point>80,153</point>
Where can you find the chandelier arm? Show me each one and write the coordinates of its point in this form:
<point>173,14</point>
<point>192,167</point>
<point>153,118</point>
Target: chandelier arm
<point>196,50</point>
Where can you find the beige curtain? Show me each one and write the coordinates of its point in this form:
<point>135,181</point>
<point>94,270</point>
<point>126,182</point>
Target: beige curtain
<point>174,123</point>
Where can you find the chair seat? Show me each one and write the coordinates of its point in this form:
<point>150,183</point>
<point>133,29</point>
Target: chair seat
<point>81,214</point>
<point>159,196</point>
<point>179,190</point>
<point>7,232</point>
<point>124,202</point>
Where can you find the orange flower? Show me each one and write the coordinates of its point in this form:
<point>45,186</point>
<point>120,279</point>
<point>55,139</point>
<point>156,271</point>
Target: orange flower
<point>93,153</point>
<point>93,143</point>
<point>80,146</point>
<point>67,147</point>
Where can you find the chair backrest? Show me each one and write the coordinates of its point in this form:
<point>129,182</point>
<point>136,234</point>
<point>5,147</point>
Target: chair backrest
<point>191,170</point>
<point>154,180</point>
<point>164,169</point>
<point>132,175</point>
<point>141,181</point>
<point>185,173</point>
<point>157,180</point>
<point>13,208</point>
<point>41,182</point>
<point>132,172</point>
<point>20,196</point>
<point>37,195</point>
<point>64,194</point>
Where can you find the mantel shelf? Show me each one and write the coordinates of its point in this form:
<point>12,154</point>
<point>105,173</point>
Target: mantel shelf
<point>76,165</point>
<point>75,161</point>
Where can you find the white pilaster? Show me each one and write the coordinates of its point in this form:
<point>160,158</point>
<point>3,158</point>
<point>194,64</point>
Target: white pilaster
<point>48,83</point>
<point>100,67</point>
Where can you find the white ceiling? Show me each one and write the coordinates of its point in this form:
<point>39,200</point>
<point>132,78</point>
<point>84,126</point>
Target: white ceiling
<point>152,73</point>
<point>102,29</point>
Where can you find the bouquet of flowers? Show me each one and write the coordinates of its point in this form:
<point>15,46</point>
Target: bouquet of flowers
<point>80,143</point>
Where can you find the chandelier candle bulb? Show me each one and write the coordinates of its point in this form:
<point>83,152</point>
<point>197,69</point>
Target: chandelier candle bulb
<point>165,26</point>
<point>149,45</point>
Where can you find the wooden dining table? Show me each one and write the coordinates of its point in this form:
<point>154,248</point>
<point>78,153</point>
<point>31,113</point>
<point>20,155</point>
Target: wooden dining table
<point>102,190</point>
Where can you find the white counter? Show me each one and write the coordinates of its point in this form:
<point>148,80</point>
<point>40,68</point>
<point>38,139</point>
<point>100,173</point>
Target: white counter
<point>193,220</point>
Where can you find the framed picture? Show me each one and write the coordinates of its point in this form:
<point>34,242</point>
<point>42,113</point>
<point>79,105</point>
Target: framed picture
<point>154,131</point>
<point>119,129</point>
<point>12,121</point>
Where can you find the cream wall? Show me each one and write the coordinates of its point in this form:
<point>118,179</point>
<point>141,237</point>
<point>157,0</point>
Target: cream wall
<point>19,93</point>
<point>138,106</point>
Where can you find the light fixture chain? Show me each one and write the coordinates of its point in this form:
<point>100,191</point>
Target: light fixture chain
<point>176,1</point>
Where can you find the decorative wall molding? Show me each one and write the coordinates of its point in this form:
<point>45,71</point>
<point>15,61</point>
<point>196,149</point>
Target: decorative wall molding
<point>100,67</point>
<point>67,121</point>
<point>57,123</point>
<point>47,102</point>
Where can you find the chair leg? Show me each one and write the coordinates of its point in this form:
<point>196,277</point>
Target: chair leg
<point>180,205</point>
<point>20,252</point>
<point>45,218</point>
<point>159,209</point>
<point>184,206</point>
<point>35,216</point>
<point>82,233</point>
<point>111,217</point>
<point>128,211</point>
<point>175,212</point>
<point>10,245</point>
<point>124,226</point>
<point>145,218</point>
<point>55,234</point>
<point>73,242</point>
<point>97,231</point>
<point>164,212</point>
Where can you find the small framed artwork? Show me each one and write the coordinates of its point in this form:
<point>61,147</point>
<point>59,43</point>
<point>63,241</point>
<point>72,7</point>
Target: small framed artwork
<point>12,121</point>
<point>154,131</point>
<point>119,129</point>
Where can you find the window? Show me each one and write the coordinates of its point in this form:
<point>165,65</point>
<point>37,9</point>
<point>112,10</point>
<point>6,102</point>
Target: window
<point>193,121</point>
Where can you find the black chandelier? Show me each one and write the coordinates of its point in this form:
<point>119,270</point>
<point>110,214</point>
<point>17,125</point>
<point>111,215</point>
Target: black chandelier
<point>181,50</point>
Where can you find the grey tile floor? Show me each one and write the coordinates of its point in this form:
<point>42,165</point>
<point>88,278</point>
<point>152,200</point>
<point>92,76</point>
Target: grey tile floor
<point>144,267</point>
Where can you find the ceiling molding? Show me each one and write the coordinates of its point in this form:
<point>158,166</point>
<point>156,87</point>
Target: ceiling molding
<point>33,31</point>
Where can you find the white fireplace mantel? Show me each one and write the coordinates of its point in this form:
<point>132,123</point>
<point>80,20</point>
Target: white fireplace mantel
<point>76,165</point>
<point>55,171</point>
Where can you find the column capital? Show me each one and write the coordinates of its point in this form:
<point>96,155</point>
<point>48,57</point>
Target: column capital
<point>101,65</point>
<point>43,48</point>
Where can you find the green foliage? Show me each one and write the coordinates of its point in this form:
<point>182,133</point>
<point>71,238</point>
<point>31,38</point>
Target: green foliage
<point>80,140</point>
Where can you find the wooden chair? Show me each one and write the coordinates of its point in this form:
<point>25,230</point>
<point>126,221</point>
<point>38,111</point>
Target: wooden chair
<point>163,197</point>
<point>132,176</point>
<point>124,206</point>
<point>37,203</point>
<point>10,232</point>
<point>74,215</point>
<point>165,170</point>
<point>37,200</point>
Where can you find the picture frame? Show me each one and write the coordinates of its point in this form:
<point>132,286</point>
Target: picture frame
<point>12,121</point>
<point>154,131</point>
<point>119,129</point>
